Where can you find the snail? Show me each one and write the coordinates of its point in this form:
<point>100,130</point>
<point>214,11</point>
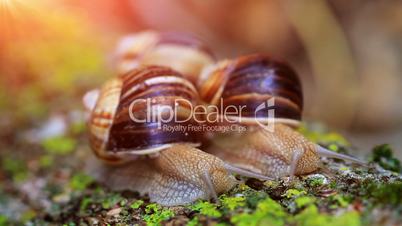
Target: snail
<point>126,133</point>
<point>257,86</point>
<point>182,52</point>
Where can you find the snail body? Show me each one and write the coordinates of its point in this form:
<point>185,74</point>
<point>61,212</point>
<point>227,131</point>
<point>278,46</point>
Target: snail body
<point>138,154</point>
<point>276,154</point>
<point>181,52</point>
<point>257,86</point>
<point>179,175</point>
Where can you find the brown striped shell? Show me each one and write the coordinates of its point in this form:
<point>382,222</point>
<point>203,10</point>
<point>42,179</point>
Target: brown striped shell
<point>184,53</point>
<point>250,81</point>
<point>119,125</point>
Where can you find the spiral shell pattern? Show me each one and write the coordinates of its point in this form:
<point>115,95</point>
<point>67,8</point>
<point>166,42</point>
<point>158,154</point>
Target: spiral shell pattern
<point>251,81</point>
<point>102,118</point>
<point>126,118</point>
<point>184,53</point>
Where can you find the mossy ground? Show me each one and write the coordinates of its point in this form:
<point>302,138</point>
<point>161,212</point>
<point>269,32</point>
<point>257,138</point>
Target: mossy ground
<point>46,184</point>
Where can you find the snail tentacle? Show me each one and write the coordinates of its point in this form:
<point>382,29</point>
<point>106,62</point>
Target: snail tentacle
<point>323,152</point>
<point>242,172</point>
<point>207,179</point>
<point>295,160</point>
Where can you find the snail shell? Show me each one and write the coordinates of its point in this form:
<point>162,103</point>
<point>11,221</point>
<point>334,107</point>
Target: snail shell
<point>118,123</point>
<point>250,81</point>
<point>182,52</point>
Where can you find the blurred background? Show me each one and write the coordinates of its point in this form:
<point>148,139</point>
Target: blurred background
<point>348,54</point>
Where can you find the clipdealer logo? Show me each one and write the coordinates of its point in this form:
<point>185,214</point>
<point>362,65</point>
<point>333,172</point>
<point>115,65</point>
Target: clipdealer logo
<point>267,123</point>
<point>213,115</point>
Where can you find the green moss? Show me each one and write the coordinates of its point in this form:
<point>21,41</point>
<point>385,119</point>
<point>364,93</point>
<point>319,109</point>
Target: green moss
<point>312,217</point>
<point>16,168</point>
<point>333,147</point>
<point>28,215</point>
<point>349,218</point>
<point>111,200</point>
<point>101,198</point>
<point>206,208</point>
<point>268,212</point>
<point>123,202</point>
<point>233,203</point>
<point>155,214</point>
<point>333,184</point>
<point>78,127</point>
<point>70,224</point>
<point>386,193</point>
<point>153,207</point>
<point>84,204</point>
<point>193,222</point>
<point>136,204</point>
<point>315,181</point>
<point>332,139</point>
<point>59,145</point>
<point>338,201</point>
<point>46,161</point>
<point>3,220</point>
<point>271,183</point>
<point>291,193</point>
<point>303,201</point>
<point>252,196</point>
<point>80,181</point>
<point>243,187</point>
<point>382,154</point>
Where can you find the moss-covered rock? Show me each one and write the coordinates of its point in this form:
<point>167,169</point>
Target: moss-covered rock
<point>53,189</point>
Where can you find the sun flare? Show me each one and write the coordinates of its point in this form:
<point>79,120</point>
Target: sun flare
<point>8,6</point>
<point>16,15</point>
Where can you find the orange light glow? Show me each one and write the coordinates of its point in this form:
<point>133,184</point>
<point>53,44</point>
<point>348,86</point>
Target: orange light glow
<point>9,8</point>
<point>16,17</point>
